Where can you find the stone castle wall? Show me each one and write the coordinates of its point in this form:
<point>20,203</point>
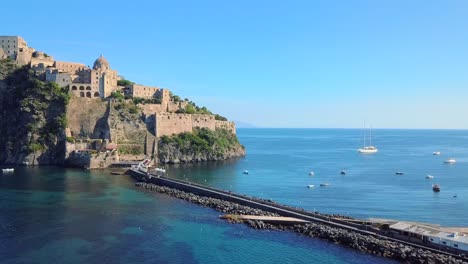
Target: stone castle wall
<point>168,124</point>
<point>230,126</point>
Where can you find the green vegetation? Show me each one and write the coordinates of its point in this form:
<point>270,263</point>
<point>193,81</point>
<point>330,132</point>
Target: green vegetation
<point>139,100</point>
<point>117,95</point>
<point>220,118</point>
<point>34,110</point>
<point>136,149</point>
<point>70,139</point>
<point>129,107</point>
<point>202,140</point>
<point>124,82</point>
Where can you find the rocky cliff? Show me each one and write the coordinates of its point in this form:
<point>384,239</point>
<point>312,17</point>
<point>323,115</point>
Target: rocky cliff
<point>201,145</point>
<point>42,124</point>
<point>32,118</point>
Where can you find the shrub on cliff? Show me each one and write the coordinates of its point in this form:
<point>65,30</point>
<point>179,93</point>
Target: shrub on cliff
<point>202,141</point>
<point>32,112</point>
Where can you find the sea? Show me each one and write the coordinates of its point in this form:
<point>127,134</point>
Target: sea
<point>58,215</point>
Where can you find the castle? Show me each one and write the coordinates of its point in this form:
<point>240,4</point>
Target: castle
<point>101,81</point>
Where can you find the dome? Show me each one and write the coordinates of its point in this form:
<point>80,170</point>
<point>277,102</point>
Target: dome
<point>101,62</point>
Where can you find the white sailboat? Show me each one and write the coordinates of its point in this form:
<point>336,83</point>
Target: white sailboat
<point>368,149</point>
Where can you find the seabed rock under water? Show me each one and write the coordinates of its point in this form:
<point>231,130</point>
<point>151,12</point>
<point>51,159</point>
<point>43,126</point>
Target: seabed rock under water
<point>364,243</point>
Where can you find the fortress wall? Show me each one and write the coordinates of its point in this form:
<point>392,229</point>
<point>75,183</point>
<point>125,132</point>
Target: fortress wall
<point>63,66</point>
<point>143,91</point>
<point>207,121</point>
<point>231,126</point>
<point>150,109</point>
<point>169,123</point>
<point>172,106</point>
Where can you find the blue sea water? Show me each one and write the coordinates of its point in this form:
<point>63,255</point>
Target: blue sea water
<point>56,215</point>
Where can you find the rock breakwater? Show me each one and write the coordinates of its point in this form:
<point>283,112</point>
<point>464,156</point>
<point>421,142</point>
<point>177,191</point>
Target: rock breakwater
<point>364,243</point>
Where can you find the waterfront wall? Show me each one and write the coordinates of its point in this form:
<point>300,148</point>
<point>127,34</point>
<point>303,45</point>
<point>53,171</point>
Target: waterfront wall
<point>321,226</point>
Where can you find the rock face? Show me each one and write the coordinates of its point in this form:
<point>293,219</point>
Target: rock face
<point>201,145</point>
<point>32,118</point>
<point>172,154</point>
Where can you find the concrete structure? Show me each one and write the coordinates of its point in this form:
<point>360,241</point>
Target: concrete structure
<point>15,48</point>
<point>433,235</point>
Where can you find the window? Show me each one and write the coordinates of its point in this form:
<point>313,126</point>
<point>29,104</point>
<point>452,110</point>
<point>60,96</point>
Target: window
<point>431,239</point>
<point>443,242</point>
<point>455,245</point>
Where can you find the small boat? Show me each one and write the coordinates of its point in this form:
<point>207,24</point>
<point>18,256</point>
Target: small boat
<point>310,186</point>
<point>8,170</point>
<point>437,153</point>
<point>454,196</point>
<point>429,176</point>
<point>450,161</point>
<point>325,184</point>
<point>311,173</point>
<point>343,172</point>
<point>436,187</point>
<point>245,172</point>
<point>399,173</point>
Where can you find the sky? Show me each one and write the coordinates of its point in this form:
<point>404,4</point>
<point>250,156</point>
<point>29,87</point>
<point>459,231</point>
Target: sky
<point>311,63</point>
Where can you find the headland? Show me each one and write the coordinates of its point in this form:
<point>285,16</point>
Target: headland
<point>66,113</point>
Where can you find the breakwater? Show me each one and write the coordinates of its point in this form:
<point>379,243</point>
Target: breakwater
<point>320,226</point>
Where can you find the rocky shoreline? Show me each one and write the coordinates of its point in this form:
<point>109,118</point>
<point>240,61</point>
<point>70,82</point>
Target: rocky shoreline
<point>364,243</point>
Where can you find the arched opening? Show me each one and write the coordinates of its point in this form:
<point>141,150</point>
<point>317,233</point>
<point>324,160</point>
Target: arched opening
<point>88,94</point>
<point>88,87</point>
<point>81,94</point>
<point>96,94</point>
<point>81,88</point>
<point>74,88</point>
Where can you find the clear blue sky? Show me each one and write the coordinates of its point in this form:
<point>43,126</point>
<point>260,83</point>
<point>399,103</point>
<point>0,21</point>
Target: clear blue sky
<point>395,64</point>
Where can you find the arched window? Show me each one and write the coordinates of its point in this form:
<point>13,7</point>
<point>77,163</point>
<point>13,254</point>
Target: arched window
<point>96,94</point>
<point>88,87</point>
<point>74,88</point>
<point>81,88</point>
<point>81,94</point>
<point>88,94</point>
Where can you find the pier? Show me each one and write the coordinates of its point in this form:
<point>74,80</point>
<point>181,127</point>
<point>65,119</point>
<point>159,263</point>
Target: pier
<point>356,226</point>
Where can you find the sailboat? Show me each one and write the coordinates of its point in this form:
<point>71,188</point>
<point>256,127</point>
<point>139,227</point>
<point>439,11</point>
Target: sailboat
<point>368,149</point>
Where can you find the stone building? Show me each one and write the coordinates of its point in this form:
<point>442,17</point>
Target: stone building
<point>15,48</point>
<point>100,81</point>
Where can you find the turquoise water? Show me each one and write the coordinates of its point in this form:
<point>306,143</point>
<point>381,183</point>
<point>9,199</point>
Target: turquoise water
<point>54,215</point>
<point>60,215</point>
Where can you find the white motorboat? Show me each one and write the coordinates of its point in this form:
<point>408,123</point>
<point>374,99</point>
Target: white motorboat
<point>310,186</point>
<point>311,173</point>
<point>450,161</point>
<point>429,176</point>
<point>437,153</point>
<point>8,170</point>
<point>325,184</point>
<point>245,172</point>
